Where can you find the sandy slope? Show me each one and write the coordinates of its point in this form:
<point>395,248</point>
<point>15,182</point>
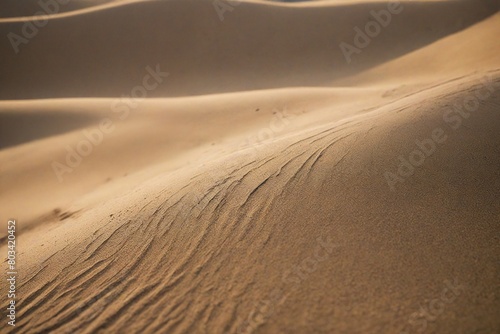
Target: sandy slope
<point>460,54</point>
<point>75,51</point>
<point>265,210</point>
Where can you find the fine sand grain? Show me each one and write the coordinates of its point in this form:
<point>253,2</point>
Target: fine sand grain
<point>263,184</point>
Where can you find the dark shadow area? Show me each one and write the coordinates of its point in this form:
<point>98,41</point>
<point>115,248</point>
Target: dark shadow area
<point>20,127</point>
<point>255,46</point>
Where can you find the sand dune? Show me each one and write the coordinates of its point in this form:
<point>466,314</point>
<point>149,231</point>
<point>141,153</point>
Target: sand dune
<point>459,54</point>
<point>265,185</point>
<point>26,8</point>
<point>75,54</point>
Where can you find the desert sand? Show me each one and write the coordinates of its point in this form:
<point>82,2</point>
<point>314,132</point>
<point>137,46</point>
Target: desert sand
<point>260,181</point>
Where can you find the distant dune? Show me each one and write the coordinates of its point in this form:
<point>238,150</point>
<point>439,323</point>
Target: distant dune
<point>261,182</point>
<point>76,55</point>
